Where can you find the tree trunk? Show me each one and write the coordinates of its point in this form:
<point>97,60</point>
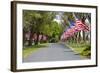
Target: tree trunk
<point>84,39</point>
<point>41,41</point>
<point>30,36</point>
<point>79,38</point>
<point>24,37</point>
<point>37,39</point>
<point>30,39</point>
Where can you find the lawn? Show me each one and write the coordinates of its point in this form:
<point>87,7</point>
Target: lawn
<point>80,48</point>
<point>28,50</point>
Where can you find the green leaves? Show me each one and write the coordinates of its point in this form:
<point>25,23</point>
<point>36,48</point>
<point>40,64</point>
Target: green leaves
<point>36,19</point>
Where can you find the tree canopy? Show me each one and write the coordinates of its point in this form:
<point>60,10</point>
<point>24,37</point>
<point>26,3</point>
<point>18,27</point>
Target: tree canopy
<point>41,22</point>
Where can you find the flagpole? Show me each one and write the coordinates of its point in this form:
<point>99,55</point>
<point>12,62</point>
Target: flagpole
<point>74,16</point>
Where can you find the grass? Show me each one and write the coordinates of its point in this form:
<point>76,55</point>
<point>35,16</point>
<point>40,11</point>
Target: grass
<point>80,48</point>
<point>77,47</point>
<point>30,49</point>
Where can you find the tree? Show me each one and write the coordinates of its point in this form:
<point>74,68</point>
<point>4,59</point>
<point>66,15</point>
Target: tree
<point>56,30</point>
<point>35,21</point>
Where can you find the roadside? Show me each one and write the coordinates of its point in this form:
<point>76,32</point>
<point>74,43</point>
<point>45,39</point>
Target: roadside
<point>83,49</point>
<point>28,50</point>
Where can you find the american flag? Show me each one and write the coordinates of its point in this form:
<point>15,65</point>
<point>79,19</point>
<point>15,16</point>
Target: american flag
<point>81,26</point>
<point>75,27</point>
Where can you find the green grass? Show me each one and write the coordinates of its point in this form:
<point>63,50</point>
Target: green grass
<point>80,48</point>
<point>77,47</point>
<point>28,50</point>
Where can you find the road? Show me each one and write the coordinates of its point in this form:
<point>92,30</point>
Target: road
<point>54,52</point>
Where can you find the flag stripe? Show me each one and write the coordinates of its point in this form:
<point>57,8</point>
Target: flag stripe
<point>75,27</point>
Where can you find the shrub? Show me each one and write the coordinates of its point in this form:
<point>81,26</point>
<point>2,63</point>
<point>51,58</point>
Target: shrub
<point>87,51</point>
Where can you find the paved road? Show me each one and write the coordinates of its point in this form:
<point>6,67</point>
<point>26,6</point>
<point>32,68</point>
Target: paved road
<point>54,52</point>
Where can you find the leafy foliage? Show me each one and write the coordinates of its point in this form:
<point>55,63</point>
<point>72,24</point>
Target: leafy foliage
<point>86,51</point>
<point>41,22</point>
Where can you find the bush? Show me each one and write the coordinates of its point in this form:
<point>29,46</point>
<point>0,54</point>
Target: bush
<point>87,51</point>
<point>53,40</point>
